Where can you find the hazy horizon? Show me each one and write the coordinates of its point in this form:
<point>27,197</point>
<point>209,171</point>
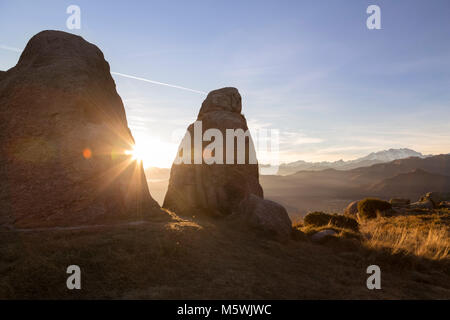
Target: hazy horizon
<point>333,88</point>
<point>330,161</point>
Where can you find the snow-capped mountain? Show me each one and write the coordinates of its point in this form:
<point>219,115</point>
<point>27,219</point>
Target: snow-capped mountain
<point>391,155</point>
<point>370,159</point>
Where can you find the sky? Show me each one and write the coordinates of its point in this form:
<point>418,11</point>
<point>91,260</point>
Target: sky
<point>311,70</point>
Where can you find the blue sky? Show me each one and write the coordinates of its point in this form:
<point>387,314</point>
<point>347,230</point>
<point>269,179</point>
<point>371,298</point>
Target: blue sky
<point>310,69</point>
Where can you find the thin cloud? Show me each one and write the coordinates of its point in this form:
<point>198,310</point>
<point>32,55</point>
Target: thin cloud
<point>156,82</point>
<point>297,138</point>
<point>8,48</point>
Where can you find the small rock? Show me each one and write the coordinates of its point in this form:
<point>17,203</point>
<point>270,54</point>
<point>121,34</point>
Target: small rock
<point>322,234</point>
<point>436,197</point>
<point>425,204</point>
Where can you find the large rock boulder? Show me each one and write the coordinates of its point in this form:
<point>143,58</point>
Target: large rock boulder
<point>2,75</point>
<point>221,188</point>
<point>64,137</point>
<point>214,189</point>
<point>266,216</point>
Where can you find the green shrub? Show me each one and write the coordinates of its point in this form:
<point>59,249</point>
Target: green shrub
<point>319,219</point>
<point>368,208</point>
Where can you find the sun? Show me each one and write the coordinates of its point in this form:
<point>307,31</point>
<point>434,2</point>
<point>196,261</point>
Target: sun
<point>152,152</point>
<point>136,153</point>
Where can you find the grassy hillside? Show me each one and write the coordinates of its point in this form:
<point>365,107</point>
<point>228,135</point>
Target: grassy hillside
<point>424,235</point>
<point>207,259</point>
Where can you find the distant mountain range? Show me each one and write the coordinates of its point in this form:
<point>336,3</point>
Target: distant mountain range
<point>411,184</point>
<point>371,159</point>
<point>332,189</point>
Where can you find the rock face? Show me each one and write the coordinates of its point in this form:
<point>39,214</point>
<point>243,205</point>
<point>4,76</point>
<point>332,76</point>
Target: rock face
<point>227,189</point>
<point>214,189</point>
<point>63,139</point>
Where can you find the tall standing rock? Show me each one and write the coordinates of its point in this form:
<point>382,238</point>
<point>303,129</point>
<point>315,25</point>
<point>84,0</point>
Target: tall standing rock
<point>228,189</point>
<point>215,189</point>
<point>63,137</point>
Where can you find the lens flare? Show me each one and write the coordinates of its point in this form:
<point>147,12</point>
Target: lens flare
<point>136,154</point>
<point>87,153</point>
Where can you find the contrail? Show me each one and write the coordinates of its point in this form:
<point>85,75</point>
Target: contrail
<point>121,74</point>
<point>157,82</point>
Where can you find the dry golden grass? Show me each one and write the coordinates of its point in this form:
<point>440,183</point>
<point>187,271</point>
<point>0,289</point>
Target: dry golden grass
<point>341,233</point>
<point>207,259</point>
<point>425,235</point>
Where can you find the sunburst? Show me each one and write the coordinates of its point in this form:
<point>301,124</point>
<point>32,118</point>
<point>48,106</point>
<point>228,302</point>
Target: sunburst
<point>136,153</point>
